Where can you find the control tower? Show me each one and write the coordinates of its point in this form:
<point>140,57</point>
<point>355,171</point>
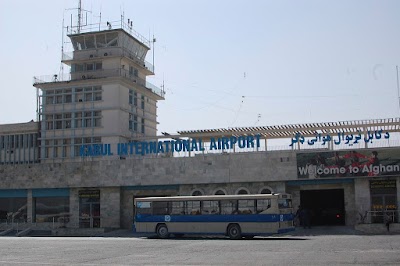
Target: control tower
<point>104,99</point>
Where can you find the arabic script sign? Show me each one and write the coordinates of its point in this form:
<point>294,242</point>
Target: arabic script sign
<point>348,139</point>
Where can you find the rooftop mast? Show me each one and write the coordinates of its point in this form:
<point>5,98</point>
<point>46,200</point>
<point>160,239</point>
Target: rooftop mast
<point>79,16</point>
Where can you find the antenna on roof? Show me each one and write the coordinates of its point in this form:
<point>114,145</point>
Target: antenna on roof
<point>153,41</point>
<point>79,16</point>
<point>398,89</point>
<point>62,48</point>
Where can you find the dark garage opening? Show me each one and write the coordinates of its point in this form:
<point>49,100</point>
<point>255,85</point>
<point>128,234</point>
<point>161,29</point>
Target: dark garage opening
<point>326,206</point>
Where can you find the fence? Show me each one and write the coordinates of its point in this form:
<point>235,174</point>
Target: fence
<point>373,217</point>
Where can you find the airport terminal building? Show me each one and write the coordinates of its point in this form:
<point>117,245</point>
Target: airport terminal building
<point>94,147</point>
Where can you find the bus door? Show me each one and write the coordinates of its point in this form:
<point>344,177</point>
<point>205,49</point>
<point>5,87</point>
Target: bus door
<point>285,212</point>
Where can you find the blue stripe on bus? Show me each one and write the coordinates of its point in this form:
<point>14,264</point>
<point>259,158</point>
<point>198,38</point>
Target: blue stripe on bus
<point>215,218</point>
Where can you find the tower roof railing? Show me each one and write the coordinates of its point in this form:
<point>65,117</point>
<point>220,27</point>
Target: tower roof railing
<point>109,25</point>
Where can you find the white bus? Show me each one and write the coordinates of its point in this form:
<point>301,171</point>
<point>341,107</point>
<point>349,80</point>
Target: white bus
<point>236,216</point>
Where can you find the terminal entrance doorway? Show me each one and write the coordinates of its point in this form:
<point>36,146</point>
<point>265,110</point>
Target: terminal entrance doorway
<point>326,206</point>
<point>89,208</point>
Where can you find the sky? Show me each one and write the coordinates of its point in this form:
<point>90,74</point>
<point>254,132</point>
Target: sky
<point>226,63</point>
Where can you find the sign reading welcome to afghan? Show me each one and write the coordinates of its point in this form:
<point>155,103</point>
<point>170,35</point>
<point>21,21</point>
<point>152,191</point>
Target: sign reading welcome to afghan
<point>170,146</point>
<point>382,162</point>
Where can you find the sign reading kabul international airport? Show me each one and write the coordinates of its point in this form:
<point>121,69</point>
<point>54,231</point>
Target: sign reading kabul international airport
<point>368,162</point>
<point>341,138</point>
<point>170,146</point>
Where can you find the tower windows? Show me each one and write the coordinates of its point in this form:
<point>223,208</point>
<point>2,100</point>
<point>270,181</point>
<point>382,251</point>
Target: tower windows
<point>87,94</point>
<point>133,97</point>
<point>133,122</point>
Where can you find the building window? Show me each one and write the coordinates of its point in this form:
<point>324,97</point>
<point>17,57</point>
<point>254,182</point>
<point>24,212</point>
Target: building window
<point>49,99</point>
<point>197,192</point>
<point>88,122</point>
<point>265,190</point>
<point>220,192</point>
<point>98,66</point>
<point>88,94</point>
<point>2,142</point>
<point>133,122</point>
<point>88,97</point>
<point>242,191</point>
<point>49,125</point>
<point>97,96</point>
<point>68,98</point>
<point>383,200</point>
<point>59,99</point>
<point>90,119</point>
<point>130,96</point>
<point>13,209</point>
<point>78,120</point>
<point>97,118</point>
<point>133,97</point>
<point>142,102</point>
<point>51,209</point>
<point>89,66</point>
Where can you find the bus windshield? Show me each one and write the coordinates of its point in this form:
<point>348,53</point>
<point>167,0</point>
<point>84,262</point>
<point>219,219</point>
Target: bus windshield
<point>284,203</point>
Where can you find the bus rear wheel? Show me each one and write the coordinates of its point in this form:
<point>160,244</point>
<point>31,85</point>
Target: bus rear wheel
<point>234,231</point>
<point>162,231</point>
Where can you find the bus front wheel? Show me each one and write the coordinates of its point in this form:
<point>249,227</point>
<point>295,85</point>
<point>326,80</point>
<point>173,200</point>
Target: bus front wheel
<point>234,231</point>
<point>162,231</point>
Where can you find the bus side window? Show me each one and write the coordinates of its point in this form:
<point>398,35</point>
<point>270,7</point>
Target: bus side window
<point>263,205</point>
<point>193,207</point>
<point>209,207</point>
<point>246,206</point>
<point>178,208</point>
<point>161,207</point>
<point>228,206</point>
<point>143,207</point>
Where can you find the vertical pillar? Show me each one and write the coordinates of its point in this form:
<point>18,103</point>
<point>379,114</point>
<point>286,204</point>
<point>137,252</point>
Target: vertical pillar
<point>74,208</point>
<point>110,207</point>
<point>398,198</point>
<point>29,206</point>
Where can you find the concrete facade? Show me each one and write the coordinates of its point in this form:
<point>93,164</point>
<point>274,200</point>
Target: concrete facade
<point>120,181</point>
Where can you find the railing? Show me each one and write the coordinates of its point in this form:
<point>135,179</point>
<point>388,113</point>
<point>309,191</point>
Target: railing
<point>109,51</point>
<point>104,73</point>
<point>372,217</point>
<point>109,25</point>
<point>50,223</point>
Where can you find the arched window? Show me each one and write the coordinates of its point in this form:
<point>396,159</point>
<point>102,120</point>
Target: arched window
<point>242,191</point>
<point>219,192</point>
<point>265,190</point>
<point>197,192</point>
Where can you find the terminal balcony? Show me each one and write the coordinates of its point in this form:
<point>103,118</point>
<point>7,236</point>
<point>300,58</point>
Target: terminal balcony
<point>100,54</point>
<point>98,74</point>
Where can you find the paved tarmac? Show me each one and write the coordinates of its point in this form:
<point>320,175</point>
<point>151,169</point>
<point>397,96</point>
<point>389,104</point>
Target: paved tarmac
<point>314,231</point>
<point>316,246</point>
